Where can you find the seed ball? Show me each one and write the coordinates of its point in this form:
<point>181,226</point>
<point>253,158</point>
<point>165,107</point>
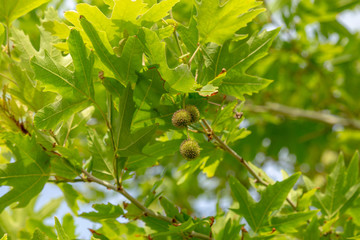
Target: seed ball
<point>189,149</point>
<point>194,113</point>
<point>181,118</point>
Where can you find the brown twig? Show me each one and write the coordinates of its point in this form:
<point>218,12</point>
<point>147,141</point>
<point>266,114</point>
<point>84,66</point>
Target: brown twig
<point>138,204</point>
<point>317,116</point>
<point>240,159</point>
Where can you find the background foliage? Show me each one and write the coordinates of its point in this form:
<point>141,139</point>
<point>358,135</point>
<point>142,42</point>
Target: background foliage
<point>87,96</point>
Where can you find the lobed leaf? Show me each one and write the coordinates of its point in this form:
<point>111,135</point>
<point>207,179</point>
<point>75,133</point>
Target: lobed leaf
<point>27,175</point>
<point>158,11</point>
<point>123,67</point>
<point>82,63</point>
<point>11,10</point>
<point>179,79</point>
<point>257,213</point>
<point>338,195</point>
<point>102,156</point>
<point>103,211</point>
<point>218,23</point>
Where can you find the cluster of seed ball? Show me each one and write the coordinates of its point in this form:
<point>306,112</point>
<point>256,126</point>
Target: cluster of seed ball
<point>189,148</point>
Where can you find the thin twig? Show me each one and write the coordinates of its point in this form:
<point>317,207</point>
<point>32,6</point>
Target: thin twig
<point>175,36</point>
<point>240,159</point>
<point>193,56</point>
<point>302,113</point>
<point>138,204</point>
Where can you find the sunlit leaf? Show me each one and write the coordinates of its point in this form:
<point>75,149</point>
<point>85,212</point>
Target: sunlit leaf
<point>28,175</point>
<point>218,23</point>
<point>11,10</point>
<point>103,211</point>
<point>60,231</point>
<point>257,213</point>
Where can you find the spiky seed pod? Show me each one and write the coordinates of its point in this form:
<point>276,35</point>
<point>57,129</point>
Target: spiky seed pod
<point>189,149</point>
<point>194,113</point>
<point>181,118</point>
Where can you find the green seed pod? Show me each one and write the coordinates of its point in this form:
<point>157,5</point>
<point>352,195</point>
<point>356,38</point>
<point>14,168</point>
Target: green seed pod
<point>181,118</point>
<point>189,149</point>
<point>194,113</point>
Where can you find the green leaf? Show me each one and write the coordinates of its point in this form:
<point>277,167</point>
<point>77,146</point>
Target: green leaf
<point>230,230</point>
<point>128,142</point>
<point>100,22</point>
<point>306,200</point>
<point>69,225</point>
<point>292,221</point>
<point>110,3</point>
<point>39,235</point>
<point>224,117</point>
<point>179,79</point>
<point>103,211</point>
<point>218,23</point>
<point>28,175</point>
<point>158,11</point>
<point>237,84</point>
<point>356,237</point>
<point>83,64</point>
<point>59,111</point>
<point>122,121</point>
<point>242,56</point>
<point>257,213</point>
<point>123,67</point>
<point>165,32</point>
<point>137,141</point>
<point>60,231</point>
<point>231,61</point>
<point>152,153</point>
<point>73,159</point>
<point>2,34</point>
<point>71,196</point>
<point>147,96</point>
<point>352,174</point>
<point>102,156</point>
<point>170,209</point>
<point>27,92</point>
<point>133,10</point>
<point>156,224</point>
<point>113,86</point>
<point>148,91</point>
<point>4,237</point>
<point>23,46</point>
<point>189,35</point>
<point>11,10</point>
<point>312,231</point>
<point>338,194</point>
<point>54,25</point>
<point>111,229</point>
<point>261,173</point>
<point>55,77</point>
<point>49,209</point>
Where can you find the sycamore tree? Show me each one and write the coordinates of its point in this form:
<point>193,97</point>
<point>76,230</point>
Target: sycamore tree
<point>146,99</point>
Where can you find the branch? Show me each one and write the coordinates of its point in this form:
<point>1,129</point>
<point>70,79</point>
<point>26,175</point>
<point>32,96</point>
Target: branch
<point>240,159</point>
<point>56,181</point>
<point>302,113</point>
<point>147,212</point>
